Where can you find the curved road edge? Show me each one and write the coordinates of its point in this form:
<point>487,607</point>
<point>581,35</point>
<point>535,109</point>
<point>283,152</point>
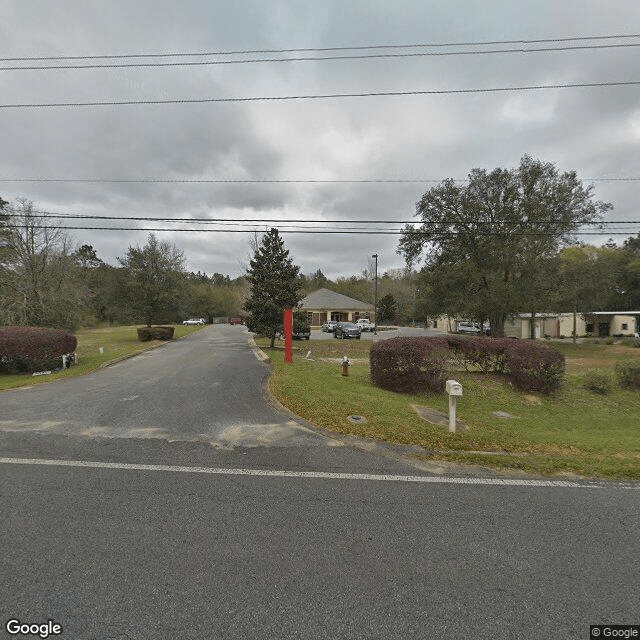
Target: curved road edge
<point>399,453</point>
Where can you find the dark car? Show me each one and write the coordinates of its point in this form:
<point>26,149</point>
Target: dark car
<point>347,330</point>
<point>301,331</point>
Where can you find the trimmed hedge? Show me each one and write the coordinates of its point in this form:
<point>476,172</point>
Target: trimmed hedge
<point>628,374</point>
<point>34,348</point>
<point>155,333</point>
<point>410,365</point>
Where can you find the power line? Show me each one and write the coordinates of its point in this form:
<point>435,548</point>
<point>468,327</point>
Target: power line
<point>322,96</point>
<point>49,214</point>
<point>421,54</point>
<point>298,231</point>
<point>227,181</point>
<point>271,180</point>
<point>326,49</point>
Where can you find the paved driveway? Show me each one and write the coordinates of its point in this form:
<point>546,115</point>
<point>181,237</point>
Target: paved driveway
<point>206,387</point>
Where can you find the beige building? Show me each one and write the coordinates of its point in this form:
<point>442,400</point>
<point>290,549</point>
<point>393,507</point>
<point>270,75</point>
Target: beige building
<point>323,305</point>
<point>601,324</point>
<point>598,323</point>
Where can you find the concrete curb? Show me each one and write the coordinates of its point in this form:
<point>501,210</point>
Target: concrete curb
<point>258,352</point>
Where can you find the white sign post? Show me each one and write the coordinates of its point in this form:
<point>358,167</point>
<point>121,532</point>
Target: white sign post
<point>454,389</point>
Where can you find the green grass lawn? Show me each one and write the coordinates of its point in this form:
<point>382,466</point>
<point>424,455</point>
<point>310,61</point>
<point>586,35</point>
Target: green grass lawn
<point>116,342</point>
<point>574,431</point>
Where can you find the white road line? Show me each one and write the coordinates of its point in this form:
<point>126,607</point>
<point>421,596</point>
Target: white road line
<point>321,475</point>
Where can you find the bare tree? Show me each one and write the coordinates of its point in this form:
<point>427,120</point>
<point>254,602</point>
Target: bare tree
<point>40,284</point>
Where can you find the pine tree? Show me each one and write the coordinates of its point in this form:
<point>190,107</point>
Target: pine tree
<point>387,308</point>
<point>274,288</point>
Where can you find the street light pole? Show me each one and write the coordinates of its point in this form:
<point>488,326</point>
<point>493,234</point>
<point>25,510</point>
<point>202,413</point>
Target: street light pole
<point>375,296</point>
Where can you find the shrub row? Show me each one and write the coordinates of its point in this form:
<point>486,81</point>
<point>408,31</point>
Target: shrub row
<point>34,348</point>
<point>155,333</point>
<point>628,374</point>
<point>601,381</point>
<point>409,365</point>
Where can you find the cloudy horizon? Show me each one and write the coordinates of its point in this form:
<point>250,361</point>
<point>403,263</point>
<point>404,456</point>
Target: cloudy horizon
<point>196,155</point>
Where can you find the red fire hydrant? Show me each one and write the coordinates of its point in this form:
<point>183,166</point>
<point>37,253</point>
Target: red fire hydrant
<point>345,366</point>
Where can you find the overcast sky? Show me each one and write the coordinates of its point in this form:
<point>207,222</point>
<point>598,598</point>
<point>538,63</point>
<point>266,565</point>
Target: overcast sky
<point>595,131</point>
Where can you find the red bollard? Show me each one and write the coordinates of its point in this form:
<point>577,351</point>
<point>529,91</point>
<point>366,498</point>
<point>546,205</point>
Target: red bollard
<point>288,335</point>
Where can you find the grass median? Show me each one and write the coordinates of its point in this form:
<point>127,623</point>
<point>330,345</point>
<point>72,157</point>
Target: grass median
<point>575,431</point>
<point>115,342</point>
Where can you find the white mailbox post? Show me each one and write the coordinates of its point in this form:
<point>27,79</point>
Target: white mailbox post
<point>454,389</point>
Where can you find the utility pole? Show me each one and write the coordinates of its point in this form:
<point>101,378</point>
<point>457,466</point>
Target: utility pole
<point>375,296</point>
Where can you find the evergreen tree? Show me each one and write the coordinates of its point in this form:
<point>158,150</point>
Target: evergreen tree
<point>387,308</point>
<point>274,287</point>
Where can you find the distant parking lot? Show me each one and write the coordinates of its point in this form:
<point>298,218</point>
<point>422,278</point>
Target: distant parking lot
<point>405,332</point>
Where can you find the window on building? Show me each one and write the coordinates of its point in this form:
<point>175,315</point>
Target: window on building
<point>625,326</point>
<point>310,317</point>
<point>589,327</point>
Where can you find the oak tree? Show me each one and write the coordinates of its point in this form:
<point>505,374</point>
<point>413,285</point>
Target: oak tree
<point>493,238</point>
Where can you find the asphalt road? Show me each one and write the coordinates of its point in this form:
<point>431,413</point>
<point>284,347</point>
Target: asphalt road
<point>182,532</point>
<point>206,387</point>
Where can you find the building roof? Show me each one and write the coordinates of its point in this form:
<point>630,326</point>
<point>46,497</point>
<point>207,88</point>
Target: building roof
<point>526,316</point>
<point>612,313</point>
<point>326,300</point>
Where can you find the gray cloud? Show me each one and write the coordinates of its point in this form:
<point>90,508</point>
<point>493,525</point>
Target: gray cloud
<point>595,131</point>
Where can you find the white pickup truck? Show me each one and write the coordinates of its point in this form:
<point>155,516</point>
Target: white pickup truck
<point>365,325</point>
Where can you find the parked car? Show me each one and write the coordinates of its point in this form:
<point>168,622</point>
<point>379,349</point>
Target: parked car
<point>473,327</point>
<point>236,320</point>
<point>468,327</point>
<point>365,325</point>
<point>194,321</point>
<point>345,330</point>
<point>329,326</point>
<point>301,331</point>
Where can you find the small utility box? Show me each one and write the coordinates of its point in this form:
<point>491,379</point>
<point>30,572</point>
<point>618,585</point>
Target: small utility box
<point>454,389</point>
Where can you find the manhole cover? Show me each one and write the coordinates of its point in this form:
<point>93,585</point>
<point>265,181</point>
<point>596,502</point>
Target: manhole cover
<point>357,419</point>
<point>503,414</point>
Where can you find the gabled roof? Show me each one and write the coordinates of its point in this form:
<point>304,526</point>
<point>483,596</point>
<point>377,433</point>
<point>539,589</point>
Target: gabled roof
<point>324,299</point>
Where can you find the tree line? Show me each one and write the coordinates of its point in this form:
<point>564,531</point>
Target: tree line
<point>503,243</point>
<point>46,281</point>
<point>506,243</point>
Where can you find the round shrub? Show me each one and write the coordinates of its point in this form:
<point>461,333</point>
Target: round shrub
<point>534,367</point>
<point>628,374</point>
<point>34,348</point>
<point>598,381</point>
<point>409,365</point>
